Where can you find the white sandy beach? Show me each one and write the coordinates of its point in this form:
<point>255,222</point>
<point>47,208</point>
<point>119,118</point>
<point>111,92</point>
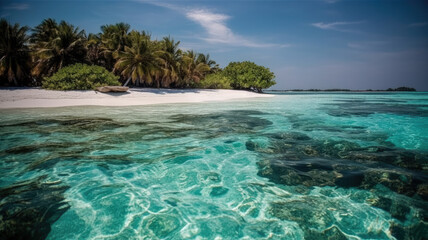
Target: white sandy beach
<point>36,97</point>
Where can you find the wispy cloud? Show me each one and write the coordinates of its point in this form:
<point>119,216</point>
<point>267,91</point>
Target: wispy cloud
<point>218,31</point>
<point>418,24</point>
<point>336,26</point>
<point>214,24</point>
<point>216,27</point>
<point>16,6</point>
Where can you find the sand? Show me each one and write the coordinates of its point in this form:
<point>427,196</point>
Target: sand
<point>36,97</point>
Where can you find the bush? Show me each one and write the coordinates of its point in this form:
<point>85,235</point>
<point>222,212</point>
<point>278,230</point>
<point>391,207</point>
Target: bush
<point>248,75</point>
<point>80,77</point>
<point>215,81</point>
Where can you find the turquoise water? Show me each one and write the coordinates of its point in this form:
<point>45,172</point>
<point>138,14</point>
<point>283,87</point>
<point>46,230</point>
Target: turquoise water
<point>295,166</point>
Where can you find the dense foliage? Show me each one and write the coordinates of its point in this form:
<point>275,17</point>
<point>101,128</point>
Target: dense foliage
<point>240,75</point>
<point>132,55</point>
<point>214,81</point>
<point>14,53</point>
<point>248,75</point>
<point>56,46</point>
<point>80,77</point>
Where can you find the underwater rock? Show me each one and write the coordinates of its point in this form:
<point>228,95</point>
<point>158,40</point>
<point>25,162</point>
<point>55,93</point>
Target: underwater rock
<point>251,146</point>
<point>334,149</point>
<point>28,209</point>
<point>402,182</point>
<point>346,108</point>
<point>312,172</point>
<point>341,131</point>
<point>311,215</point>
<point>422,190</point>
<point>415,231</point>
<point>321,218</point>
<point>297,160</point>
<point>218,191</point>
<point>290,136</point>
<point>230,121</point>
<point>163,225</point>
<point>398,210</point>
<point>293,158</point>
<point>397,157</point>
<point>68,124</point>
<point>343,173</point>
<point>35,147</point>
<point>331,233</point>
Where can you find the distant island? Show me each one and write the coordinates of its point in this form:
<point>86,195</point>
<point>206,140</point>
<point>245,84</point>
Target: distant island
<point>399,89</point>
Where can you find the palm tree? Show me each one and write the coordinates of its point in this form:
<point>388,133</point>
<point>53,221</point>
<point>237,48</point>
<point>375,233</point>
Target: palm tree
<point>14,52</point>
<point>170,58</point>
<point>214,67</point>
<point>114,38</point>
<point>192,70</point>
<point>94,52</point>
<point>44,32</point>
<point>139,61</point>
<point>65,47</point>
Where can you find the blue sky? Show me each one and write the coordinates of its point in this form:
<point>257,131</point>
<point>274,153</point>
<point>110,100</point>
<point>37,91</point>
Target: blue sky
<point>307,44</point>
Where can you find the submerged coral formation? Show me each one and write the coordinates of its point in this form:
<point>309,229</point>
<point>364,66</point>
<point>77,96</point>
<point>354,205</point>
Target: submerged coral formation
<point>230,172</point>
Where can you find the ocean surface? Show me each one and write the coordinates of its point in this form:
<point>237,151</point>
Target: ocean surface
<point>294,166</point>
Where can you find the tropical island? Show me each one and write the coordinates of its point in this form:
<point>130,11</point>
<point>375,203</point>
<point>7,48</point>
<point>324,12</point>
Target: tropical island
<point>60,56</point>
<point>120,134</point>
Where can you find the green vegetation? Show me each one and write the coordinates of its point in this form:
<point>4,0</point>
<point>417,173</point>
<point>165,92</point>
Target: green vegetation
<point>138,61</point>
<point>402,89</point>
<point>214,81</point>
<point>80,77</point>
<point>14,53</point>
<point>56,46</point>
<point>240,75</point>
<point>248,75</point>
<point>133,56</point>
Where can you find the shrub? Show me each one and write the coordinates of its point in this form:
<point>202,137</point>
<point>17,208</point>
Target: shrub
<point>80,77</point>
<point>248,75</point>
<point>215,81</point>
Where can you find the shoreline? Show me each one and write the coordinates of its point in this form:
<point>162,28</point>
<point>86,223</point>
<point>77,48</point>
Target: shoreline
<point>13,98</point>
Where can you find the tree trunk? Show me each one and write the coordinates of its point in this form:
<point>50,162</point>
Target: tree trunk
<point>127,81</point>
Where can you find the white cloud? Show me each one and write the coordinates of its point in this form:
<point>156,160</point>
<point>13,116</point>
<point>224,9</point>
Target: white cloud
<point>336,26</point>
<point>215,26</point>
<point>17,6</point>
<point>218,32</point>
<point>419,24</point>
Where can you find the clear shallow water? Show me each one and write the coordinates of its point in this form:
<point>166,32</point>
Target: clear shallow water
<point>296,166</point>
